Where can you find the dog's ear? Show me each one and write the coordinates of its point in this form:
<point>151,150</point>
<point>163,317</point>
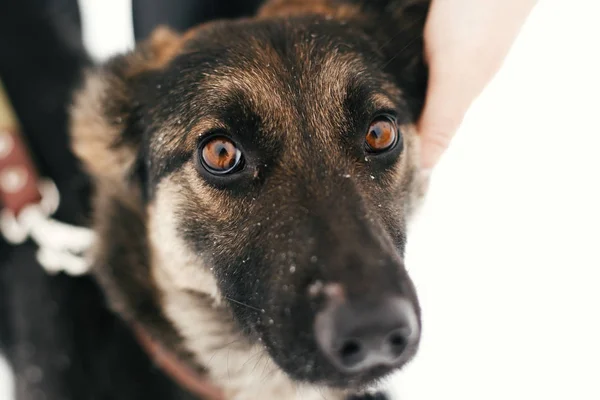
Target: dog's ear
<point>396,27</point>
<point>107,129</point>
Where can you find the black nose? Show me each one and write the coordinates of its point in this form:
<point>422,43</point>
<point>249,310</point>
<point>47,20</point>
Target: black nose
<point>358,336</point>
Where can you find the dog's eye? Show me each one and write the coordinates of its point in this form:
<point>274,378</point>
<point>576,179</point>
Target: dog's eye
<point>382,135</point>
<point>220,156</point>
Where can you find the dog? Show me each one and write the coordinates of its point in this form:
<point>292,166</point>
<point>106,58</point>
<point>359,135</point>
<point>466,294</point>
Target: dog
<point>253,180</point>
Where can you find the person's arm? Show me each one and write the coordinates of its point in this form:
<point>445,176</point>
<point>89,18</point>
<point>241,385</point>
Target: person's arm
<point>466,42</point>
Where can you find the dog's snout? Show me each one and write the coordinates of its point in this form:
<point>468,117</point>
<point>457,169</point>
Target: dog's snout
<point>357,336</point>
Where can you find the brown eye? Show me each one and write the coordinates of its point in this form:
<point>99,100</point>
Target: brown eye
<point>382,135</point>
<point>220,156</point>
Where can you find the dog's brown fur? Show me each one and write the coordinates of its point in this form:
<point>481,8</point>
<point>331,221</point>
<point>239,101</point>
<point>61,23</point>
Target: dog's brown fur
<point>186,255</point>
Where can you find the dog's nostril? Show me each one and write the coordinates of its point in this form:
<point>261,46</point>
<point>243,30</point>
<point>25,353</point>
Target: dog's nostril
<point>397,342</point>
<point>351,352</point>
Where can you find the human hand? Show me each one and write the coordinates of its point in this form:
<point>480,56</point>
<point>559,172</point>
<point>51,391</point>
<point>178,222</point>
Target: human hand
<point>466,42</point>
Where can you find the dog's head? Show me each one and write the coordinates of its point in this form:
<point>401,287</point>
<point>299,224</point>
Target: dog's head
<point>272,162</point>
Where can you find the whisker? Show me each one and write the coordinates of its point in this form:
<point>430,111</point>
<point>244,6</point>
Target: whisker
<point>242,304</point>
<point>259,360</point>
<point>252,356</point>
<point>225,346</point>
<point>320,391</point>
<point>400,32</point>
<point>410,43</point>
<point>228,372</point>
<point>270,372</point>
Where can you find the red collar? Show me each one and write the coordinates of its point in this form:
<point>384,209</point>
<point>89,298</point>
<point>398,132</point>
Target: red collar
<point>18,176</point>
<point>186,377</point>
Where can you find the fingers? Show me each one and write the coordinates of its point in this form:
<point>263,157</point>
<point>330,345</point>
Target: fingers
<point>466,42</point>
<point>447,101</point>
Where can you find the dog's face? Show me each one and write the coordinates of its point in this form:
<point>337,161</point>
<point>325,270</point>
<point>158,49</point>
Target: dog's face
<point>274,160</point>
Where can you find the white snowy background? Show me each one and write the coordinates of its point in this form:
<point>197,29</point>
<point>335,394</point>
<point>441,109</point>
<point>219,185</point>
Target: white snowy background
<point>506,251</point>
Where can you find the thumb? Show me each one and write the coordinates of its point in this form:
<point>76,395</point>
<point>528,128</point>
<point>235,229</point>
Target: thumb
<point>446,103</point>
